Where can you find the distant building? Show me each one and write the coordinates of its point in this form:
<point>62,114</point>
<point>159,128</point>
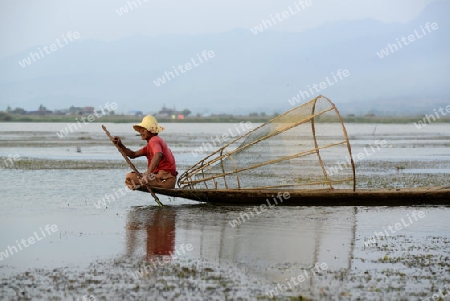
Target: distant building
<point>136,113</point>
<point>169,113</point>
<point>166,112</point>
<point>41,111</point>
<point>18,111</point>
<point>88,111</point>
<point>75,110</point>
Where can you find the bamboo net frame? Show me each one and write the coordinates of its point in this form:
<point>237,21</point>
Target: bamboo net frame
<point>302,148</point>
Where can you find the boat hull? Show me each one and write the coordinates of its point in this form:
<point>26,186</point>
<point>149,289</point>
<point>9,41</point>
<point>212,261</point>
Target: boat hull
<point>363,197</point>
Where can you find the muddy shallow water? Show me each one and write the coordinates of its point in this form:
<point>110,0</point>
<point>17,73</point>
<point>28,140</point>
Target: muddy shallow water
<point>129,249</point>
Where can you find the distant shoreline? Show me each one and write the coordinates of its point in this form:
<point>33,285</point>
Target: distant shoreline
<point>216,119</point>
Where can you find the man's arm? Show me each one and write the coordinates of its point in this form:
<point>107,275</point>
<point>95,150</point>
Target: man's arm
<point>128,152</point>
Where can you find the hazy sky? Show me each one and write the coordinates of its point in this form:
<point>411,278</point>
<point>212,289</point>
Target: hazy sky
<point>25,23</point>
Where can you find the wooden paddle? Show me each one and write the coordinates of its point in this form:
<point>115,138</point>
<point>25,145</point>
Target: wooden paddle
<point>131,165</point>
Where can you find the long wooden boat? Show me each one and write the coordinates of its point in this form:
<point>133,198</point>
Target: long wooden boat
<point>317,197</point>
<point>302,157</point>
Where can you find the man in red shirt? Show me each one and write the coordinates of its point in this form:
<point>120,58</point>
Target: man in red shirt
<point>161,171</point>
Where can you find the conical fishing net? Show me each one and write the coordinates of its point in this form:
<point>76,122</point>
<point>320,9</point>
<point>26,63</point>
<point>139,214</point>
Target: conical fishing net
<point>304,148</point>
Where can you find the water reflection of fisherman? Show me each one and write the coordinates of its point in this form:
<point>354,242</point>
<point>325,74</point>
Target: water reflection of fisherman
<point>159,226</point>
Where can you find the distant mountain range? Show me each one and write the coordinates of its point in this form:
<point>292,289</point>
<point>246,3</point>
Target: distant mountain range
<point>248,72</point>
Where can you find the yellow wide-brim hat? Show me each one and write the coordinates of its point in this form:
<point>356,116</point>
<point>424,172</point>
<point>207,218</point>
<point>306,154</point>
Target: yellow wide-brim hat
<point>150,124</point>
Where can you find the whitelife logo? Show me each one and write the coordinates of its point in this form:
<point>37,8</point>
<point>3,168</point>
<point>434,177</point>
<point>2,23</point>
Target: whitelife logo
<point>266,24</point>
<point>356,158</point>
<point>391,48</point>
<point>398,226</point>
<point>34,56</point>
<point>423,122</point>
<point>129,7</point>
<point>341,74</point>
<point>187,66</point>
<point>206,146</point>
<point>244,216</point>
<point>11,250</point>
<point>11,158</point>
<point>72,127</point>
<point>439,295</point>
<point>108,197</point>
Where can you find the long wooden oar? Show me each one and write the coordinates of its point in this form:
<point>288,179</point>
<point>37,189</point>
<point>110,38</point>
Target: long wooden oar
<point>131,165</point>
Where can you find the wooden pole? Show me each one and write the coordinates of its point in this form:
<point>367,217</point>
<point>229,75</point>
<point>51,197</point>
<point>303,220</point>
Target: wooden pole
<point>131,165</point>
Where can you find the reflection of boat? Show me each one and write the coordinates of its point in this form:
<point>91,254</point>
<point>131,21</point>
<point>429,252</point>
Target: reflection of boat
<point>336,197</point>
<point>305,152</point>
<point>271,247</point>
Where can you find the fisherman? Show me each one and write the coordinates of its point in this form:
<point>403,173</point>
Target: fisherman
<point>161,167</point>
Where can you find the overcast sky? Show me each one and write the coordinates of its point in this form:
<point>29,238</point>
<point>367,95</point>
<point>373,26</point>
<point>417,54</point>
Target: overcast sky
<point>24,23</point>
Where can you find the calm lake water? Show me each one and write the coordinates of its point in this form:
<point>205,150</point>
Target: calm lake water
<point>260,254</point>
